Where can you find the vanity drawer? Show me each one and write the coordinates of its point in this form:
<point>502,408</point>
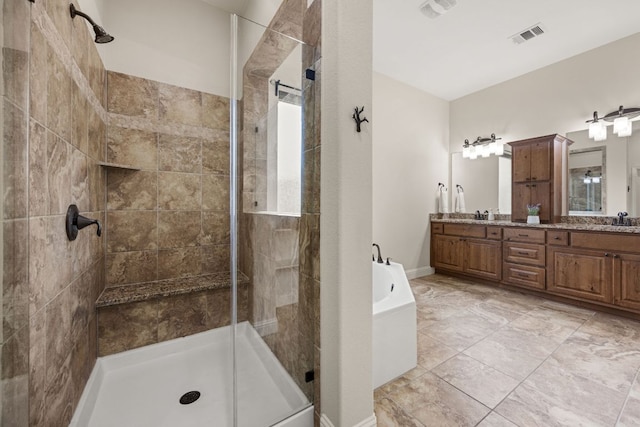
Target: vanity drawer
<point>465,230</point>
<point>524,253</point>
<point>526,235</point>
<point>524,275</point>
<point>558,238</point>
<point>437,228</point>
<point>494,233</point>
<point>614,241</point>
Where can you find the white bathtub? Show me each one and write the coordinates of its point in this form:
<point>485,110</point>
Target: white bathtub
<point>395,348</point>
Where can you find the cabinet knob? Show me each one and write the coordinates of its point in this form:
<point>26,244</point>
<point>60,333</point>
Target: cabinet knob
<point>616,256</point>
<point>534,178</point>
<point>606,254</point>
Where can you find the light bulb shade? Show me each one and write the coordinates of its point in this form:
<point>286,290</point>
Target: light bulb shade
<point>499,148</point>
<point>473,153</point>
<point>596,128</point>
<point>493,147</point>
<point>587,180</point>
<point>621,124</point>
<point>601,134</point>
<point>466,151</point>
<point>595,180</point>
<point>625,128</point>
<point>486,152</point>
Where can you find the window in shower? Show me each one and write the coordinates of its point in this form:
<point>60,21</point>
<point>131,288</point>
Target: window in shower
<point>273,178</point>
<point>284,151</point>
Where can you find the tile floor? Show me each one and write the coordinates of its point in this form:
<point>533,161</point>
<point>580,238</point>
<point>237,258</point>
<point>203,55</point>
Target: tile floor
<point>492,357</point>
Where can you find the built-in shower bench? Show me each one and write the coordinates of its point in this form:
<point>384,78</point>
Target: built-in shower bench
<point>123,294</point>
<point>139,314</point>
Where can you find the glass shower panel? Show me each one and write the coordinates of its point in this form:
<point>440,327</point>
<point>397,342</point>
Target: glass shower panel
<point>269,106</point>
<point>14,287</point>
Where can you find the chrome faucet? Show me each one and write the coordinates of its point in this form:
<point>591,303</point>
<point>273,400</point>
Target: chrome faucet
<point>379,260</point>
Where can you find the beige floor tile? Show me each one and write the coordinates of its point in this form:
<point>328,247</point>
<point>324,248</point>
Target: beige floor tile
<point>389,414</point>
<point>615,370</point>
<point>578,367</point>
<point>496,420</point>
<point>483,383</point>
<point>559,397</point>
<point>461,330</point>
<point>434,402</point>
<point>580,312</point>
<point>630,415</point>
<point>432,352</point>
<point>505,356</point>
<point>403,380</point>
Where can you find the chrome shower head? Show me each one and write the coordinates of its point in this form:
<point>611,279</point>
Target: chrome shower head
<point>101,35</point>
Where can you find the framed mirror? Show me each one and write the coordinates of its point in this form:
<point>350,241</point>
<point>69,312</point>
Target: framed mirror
<point>587,181</point>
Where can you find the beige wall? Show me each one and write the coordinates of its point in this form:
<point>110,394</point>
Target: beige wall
<point>410,156</point>
<point>554,99</point>
<point>345,223</point>
<point>557,99</point>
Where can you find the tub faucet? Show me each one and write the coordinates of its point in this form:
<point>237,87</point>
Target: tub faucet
<point>379,260</point>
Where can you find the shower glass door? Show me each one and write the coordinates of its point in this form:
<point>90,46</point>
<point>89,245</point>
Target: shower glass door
<point>274,333</point>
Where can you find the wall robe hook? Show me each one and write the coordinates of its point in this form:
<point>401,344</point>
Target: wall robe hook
<point>76,222</point>
<point>356,117</point>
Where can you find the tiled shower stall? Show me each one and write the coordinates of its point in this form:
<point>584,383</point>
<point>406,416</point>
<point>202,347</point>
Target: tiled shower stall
<point>150,161</point>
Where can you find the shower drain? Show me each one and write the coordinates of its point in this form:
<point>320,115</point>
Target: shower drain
<point>189,397</point>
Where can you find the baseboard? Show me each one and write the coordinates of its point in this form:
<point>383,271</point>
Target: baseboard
<point>369,422</point>
<point>419,272</point>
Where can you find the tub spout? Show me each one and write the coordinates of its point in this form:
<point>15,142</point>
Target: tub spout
<point>379,260</point>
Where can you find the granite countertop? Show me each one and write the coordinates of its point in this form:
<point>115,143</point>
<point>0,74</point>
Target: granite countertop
<point>134,292</point>
<point>583,226</point>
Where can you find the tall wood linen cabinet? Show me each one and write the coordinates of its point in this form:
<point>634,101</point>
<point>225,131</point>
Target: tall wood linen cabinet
<point>537,176</point>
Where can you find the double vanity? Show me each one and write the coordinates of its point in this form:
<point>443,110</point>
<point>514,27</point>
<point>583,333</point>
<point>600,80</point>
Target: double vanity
<point>584,263</point>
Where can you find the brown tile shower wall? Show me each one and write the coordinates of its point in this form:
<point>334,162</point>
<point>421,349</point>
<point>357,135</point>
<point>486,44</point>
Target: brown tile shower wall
<point>171,218</point>
<point>54,135</point>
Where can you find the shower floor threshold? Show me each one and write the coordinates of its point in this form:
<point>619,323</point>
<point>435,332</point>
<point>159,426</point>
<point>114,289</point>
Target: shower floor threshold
<point>142,387</point>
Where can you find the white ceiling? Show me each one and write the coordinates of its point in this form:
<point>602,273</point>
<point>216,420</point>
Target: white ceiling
<point>469,48</point>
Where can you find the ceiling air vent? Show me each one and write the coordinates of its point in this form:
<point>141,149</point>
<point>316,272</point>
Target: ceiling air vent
<point>527,34</point>
<point>436,8</point>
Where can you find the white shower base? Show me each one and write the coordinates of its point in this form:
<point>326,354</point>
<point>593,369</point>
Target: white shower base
<point>142,387</point>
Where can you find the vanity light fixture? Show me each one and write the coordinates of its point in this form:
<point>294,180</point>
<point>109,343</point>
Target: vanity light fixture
<point>621,119</point>
<point>482,147</point>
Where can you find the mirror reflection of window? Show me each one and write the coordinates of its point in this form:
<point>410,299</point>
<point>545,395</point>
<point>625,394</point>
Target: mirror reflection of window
<point>587,181</point>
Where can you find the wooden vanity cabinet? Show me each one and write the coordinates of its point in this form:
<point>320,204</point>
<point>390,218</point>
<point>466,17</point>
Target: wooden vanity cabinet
<point>597,267</point>
<point>466,249</point>
<point>580,273</point>
<point>626,272</point>
<point>524,257</point>
<point>536,174</point>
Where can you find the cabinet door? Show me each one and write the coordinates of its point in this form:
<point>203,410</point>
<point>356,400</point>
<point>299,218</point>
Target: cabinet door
<point>483,258</point>
<point>520,198</point>
<point>448,252</point>
<point>540,168</point>
<point>580,273</point>
<point>521,163</point>
<point>627,277</point>
<point>540,192</point>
